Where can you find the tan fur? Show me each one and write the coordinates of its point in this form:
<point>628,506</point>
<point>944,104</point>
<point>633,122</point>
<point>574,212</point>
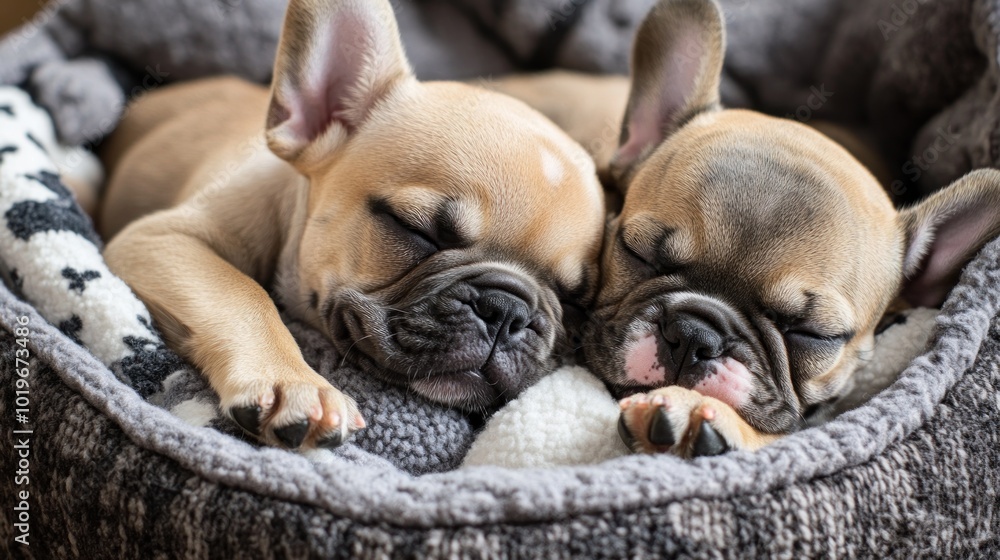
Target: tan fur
<point>855,279</point>
<point>860,145</point>
<point>201,213</point>
<point>588,107</point>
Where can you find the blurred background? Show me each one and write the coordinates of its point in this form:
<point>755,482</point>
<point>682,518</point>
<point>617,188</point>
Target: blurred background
<point>917,80</point>
<point>15,12</point>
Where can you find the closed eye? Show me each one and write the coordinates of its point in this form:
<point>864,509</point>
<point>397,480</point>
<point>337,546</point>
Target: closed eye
<point>653,265</point>
<point>815,339</point>
<point>423,242</point>
<point>635,254</point>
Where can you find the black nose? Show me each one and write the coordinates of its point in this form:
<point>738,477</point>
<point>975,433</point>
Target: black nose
<point>691,340</point>
<point>502,311</point>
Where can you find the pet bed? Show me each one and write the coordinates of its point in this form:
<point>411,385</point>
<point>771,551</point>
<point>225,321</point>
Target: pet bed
<point>913,472</point>
<point>116,472</point>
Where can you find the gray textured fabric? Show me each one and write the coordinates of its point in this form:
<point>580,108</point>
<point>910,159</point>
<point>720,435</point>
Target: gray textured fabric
<point>911,473</point>
<point>404,429</point>
<point>920,75</point>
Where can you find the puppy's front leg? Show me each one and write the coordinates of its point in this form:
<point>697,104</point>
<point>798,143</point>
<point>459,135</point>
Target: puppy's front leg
<point>225,323</point>
<point>683,422</point>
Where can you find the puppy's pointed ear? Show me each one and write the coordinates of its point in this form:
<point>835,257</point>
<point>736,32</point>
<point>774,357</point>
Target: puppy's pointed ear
<point>945,232</point>
<point>676,71</point>
<point>336,60</point>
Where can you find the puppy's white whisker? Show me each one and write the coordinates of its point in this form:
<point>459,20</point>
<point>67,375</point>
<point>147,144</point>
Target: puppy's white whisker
<point>348,353</point>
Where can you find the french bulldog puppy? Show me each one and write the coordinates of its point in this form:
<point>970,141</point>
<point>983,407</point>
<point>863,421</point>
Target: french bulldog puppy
<point>754,258</point>
<point>432,230</point>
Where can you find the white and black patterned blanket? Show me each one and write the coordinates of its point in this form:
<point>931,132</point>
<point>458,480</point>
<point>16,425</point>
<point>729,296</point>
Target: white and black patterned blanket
<point>51,255</point>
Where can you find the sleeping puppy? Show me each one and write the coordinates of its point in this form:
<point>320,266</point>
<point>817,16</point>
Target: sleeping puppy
<point>431,230</point>
<point>754,258</point>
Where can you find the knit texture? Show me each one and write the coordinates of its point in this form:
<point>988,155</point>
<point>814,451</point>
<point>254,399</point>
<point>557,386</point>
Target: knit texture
<point>920,76</point>
<point>912,473</point>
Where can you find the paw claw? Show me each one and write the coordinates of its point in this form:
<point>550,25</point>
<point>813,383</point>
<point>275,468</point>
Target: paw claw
<point>331,441</point>
<point>293,435</point>
<point>248,418</point>
<point>625,433</point>
<point>708,443</point>
<point>661,431</point>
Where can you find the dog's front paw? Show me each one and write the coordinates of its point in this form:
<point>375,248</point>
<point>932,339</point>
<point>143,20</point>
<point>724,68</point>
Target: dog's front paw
<point>680,421</point>
<point>294,410</point>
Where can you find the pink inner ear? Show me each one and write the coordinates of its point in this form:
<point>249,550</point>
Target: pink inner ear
<point>644,130</point>
<point>956,238</point>
<point>667,95</point>
<point>333,77</point>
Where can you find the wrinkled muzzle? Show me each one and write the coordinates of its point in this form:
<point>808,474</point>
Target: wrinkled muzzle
<point>472,337</point>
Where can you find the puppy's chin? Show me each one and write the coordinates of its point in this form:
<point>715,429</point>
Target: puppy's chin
<point>467,389</point>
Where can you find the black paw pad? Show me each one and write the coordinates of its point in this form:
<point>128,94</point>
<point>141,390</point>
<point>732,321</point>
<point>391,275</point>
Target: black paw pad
<point>292,436</point>
<point>661,431</point>
<point>624,433</point>
<point>708,443</point>
<point>331,441</point>
<point>248,418</point>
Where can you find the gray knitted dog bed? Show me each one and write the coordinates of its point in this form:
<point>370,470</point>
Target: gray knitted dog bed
<point>913,473</point>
